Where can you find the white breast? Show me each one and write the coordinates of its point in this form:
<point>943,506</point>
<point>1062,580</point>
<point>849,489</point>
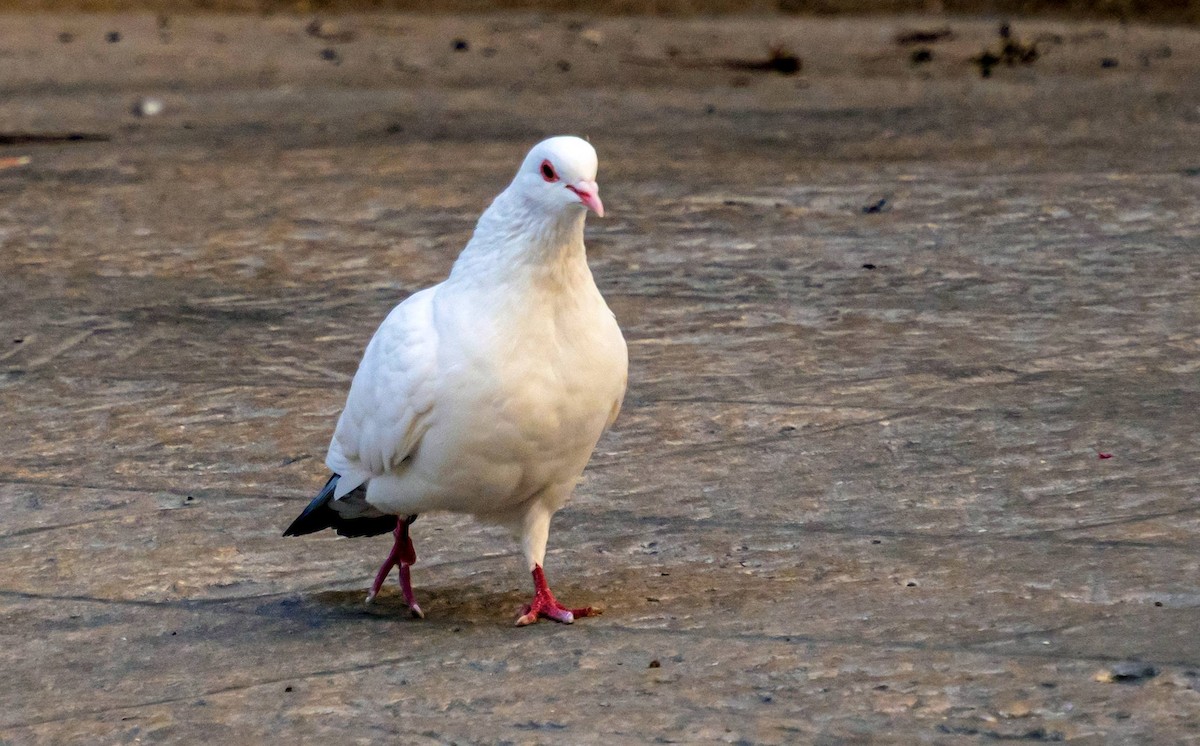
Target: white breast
<point>524,392</point>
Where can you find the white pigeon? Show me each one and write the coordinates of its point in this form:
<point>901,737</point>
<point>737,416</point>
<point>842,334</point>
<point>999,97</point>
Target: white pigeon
<point>487,393</point>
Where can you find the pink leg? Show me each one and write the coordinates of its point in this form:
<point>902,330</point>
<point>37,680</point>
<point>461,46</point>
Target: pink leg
<point>402,556</point>
<point>406,588</point>
<point>546,605</point>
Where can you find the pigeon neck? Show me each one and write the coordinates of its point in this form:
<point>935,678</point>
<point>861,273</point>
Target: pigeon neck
<point>514,238</point>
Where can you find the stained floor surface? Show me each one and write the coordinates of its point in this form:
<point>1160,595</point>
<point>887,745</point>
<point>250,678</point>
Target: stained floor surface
<point>888,320</point>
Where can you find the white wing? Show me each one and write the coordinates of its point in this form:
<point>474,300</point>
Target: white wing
<point>390,398</point>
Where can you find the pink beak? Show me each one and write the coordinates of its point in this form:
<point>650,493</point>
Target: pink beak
<point>589,195</point>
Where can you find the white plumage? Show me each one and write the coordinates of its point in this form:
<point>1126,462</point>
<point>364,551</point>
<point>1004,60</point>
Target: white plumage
<point>487,393</point>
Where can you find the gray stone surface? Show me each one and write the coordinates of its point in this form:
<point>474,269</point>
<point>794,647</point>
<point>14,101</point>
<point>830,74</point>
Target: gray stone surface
<point>842,504</point>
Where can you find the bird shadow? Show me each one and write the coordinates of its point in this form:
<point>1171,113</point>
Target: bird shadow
<point>441,604</point>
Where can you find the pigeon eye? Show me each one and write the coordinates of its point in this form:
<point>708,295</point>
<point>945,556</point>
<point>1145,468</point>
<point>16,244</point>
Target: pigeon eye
<point>548,172</point>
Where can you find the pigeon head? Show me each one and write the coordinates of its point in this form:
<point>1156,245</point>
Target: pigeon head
<point>559,174</point>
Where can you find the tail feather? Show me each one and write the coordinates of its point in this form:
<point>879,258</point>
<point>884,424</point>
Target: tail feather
<point>320,515</point>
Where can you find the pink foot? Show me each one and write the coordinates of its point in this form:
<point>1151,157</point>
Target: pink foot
<point>402,556</point>
<point>546,605</point>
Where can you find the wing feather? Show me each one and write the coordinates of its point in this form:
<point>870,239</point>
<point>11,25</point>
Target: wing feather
<point>391,397</point>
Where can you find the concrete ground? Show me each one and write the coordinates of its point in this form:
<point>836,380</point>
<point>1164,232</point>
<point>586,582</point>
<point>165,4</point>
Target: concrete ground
<point>920,473</point>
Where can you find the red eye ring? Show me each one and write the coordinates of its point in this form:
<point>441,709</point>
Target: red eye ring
<point>548,172</point>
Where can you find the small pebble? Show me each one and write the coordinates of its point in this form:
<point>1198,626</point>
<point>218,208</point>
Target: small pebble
<point>1017,709</point>
<point>1129,672</point>
<point>148,107</point>
<point>329,31</point>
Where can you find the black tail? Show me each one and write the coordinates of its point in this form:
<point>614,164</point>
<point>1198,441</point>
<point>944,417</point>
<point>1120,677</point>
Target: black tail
<point>320,515</point>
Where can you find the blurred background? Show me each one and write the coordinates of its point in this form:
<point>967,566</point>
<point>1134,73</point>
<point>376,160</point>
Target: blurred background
<point>1169,11</point>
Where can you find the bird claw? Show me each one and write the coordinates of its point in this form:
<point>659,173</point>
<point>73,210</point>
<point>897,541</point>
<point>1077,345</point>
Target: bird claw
<point>413,608</point>
<point>552,609</point>
<point>546,605</point>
